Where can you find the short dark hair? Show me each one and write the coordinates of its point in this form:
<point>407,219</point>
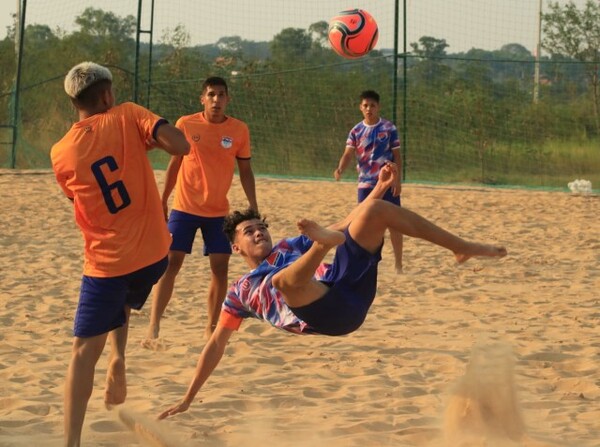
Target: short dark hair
<point>88,98</point>
<point>214,81</point>
<point>236,218</point>
<point>370,94</point>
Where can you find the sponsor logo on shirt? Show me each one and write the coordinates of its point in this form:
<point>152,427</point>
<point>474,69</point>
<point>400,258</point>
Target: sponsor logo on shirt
<point>226,142</point>
<point>196,138</point>
<point>382,136</point>
<point>87,129</point>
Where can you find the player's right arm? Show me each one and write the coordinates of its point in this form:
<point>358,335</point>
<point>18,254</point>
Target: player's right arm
<point>209,359</point>
<point>343,163</point>
<point>172,140</point>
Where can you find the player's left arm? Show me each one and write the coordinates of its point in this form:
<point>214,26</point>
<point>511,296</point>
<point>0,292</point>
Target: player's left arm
<point>397,187</point>
<point>247,181</point>
<point>209,359</point>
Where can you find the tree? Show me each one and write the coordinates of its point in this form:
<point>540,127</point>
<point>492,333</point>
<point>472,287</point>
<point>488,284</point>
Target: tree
<point>572,32</point>
<point>431,51</point>
<point>97,22</point>
<point>291,44</point>
<point>319,32</point>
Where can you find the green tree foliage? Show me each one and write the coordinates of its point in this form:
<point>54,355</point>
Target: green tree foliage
<point>572,32</point>
<point>470,116</point>
<point>291,45</point>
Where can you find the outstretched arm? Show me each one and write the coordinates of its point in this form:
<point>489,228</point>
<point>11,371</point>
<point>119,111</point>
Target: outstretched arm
<point>209,359</point>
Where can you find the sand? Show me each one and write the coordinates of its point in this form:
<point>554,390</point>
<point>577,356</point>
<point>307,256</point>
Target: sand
<point>490,353</point>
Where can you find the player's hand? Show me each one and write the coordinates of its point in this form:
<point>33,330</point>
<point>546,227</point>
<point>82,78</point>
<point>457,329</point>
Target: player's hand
<point>337,174</point>
<point>166,211</point>
<point>179,408</point>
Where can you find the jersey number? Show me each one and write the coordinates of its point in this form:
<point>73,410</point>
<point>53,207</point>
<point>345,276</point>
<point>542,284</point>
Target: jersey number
<point>113,190</point>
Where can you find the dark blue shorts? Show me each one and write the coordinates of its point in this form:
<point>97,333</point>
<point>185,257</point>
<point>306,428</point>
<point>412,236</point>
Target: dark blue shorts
<point>388,196</point>
<point>353,284</point>
<point>183,227</point>
<point>102,301</point>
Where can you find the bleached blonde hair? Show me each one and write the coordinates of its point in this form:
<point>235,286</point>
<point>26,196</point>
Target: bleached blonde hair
<point>83,75</point>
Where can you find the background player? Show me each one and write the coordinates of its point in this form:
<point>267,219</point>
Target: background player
<point>373,142</point>
<point>201,181</point>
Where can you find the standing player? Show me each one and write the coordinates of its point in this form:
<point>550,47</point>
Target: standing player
<point>101,165</point>
<point>201,181</point>
<point>373,142</point>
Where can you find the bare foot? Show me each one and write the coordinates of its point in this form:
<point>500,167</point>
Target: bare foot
<point>153,344</point>
<point>489,251</point>
<point>319,234</point>
<point>153,330</point>
<point>116,384</point>
<point>151,337</point>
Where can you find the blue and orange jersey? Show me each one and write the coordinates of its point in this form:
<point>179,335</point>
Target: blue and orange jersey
<point>102,165</point>
<point>206,173</point>
<point>254,296</point>
<point>373,146</point>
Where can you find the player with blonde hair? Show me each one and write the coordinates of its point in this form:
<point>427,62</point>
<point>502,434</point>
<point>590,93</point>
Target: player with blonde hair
<point>101,164</point>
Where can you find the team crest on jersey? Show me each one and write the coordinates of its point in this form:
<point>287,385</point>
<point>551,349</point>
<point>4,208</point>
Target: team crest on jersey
<point>87,129</point>
<point>273,258</point>
<point>226,142</point>
<point>381,136</point>
<point>195,138</point>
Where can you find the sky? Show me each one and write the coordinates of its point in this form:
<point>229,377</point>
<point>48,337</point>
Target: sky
<point>464,24</point>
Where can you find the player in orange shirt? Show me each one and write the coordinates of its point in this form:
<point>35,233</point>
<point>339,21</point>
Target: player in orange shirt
<point>201,181</point>
<point>102,166</point>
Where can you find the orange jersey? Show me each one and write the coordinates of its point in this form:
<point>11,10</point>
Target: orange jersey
<point>206,173</point>
<point>101,164</point>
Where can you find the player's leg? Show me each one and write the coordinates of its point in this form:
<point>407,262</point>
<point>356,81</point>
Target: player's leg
<point>116,384</point>
<point>397,240</point>
<point>164,291</point>
<point>217,289</point>
<point>218,249</point>
<point>296,281</point>
<point>373,217</point>
<point>79,384</point>
<point>183,227</point>
<point>396,237</point>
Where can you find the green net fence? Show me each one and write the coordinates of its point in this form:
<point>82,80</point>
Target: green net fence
<point>460,79</point>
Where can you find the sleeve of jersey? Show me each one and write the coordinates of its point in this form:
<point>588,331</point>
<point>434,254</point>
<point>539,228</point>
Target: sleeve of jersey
<point>147,122</point>
<point>394,139</point>
<point>300,243</point>
<point>230,321</point>
<point>244,152</point>
<point>60,178</point>
<point>350,141</point>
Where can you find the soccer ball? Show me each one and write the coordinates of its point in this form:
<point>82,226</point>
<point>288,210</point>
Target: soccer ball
<point>353,33</point>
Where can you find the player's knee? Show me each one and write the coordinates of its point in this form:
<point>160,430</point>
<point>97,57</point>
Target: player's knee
<point>374,208</point>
